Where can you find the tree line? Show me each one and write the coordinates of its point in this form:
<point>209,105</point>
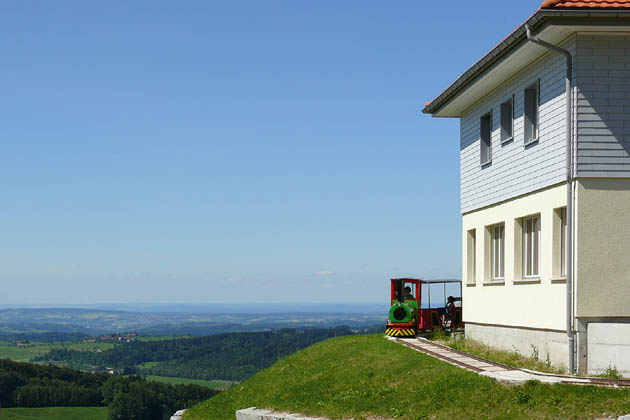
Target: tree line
<point>48,337</point>
<point>127,398</point>
<point>231,356</point>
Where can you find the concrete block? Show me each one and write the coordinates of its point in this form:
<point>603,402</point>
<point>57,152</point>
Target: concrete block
<point>178,415</point>
<point>253,413</point>
<point>608,333</point>
<point>608,347</point>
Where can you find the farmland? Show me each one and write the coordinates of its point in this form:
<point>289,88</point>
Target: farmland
<point>184,381</point>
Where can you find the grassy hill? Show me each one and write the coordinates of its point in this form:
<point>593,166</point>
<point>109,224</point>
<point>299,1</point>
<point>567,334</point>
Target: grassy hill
<point>368,376</point>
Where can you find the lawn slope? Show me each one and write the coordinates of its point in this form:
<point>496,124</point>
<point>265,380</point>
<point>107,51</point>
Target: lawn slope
<point>363,376</point>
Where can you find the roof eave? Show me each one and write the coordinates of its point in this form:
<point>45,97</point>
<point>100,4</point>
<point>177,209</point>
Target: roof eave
<point>537,21</point>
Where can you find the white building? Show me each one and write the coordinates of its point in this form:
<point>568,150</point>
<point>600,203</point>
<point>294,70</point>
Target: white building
<point>512,106</point>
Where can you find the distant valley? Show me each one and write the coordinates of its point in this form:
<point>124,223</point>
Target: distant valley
<point>178,320</point>
<point>170,356</point>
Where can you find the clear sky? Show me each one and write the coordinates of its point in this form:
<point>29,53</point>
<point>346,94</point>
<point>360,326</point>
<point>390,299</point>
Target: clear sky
<point>200,151</point>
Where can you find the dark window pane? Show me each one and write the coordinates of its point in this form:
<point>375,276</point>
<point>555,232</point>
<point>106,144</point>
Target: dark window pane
<point>506,120</point>
<point>485,135</point>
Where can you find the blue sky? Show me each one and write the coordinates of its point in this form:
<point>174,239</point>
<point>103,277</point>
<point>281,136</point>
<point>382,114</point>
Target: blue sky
<point>231,151</point>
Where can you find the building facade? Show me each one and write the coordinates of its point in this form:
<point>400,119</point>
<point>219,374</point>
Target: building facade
<point>512,106</point>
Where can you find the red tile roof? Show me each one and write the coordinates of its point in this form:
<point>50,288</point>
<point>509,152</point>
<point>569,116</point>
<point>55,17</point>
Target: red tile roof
<point>587,4</point>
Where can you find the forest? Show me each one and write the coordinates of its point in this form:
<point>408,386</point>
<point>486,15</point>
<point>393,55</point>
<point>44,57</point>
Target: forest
<point>231,356</point>
<point>129,397</point>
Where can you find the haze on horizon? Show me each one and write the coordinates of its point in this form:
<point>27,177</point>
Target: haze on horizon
<point>212,152</point>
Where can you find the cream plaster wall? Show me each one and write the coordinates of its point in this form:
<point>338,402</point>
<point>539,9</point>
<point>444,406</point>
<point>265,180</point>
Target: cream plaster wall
<point>603,248</point>
<point>532,304</point>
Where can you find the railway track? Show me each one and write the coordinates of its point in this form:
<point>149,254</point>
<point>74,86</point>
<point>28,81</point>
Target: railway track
<point>499,371</point>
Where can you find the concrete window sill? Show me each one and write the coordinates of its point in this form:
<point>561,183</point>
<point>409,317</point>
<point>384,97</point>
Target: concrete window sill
<point>471,284</point>
<point>494,283</point>
<point>559,280</point>
<point>532,280</point>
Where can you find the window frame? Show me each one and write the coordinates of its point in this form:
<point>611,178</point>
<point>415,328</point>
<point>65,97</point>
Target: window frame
<point>471,256</point>
<point>497,248</point>
<point>504,138</point>
<point>531,254</point>
<point>535,126</point>
<point>563,242</point>
<point>488,145</point>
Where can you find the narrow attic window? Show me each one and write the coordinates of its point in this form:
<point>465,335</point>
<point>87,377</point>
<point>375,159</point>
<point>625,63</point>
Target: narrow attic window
<point>485,133</point>
<point>531,113</point>
<point>507,120</point>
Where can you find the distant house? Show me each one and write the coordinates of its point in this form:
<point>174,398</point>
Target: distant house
<point>541,276</point>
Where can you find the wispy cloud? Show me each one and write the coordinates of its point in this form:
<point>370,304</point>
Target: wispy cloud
<point>323,273</point>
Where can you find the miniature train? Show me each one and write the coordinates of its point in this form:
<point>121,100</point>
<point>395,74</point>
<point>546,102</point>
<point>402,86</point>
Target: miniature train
<point>411,313</point>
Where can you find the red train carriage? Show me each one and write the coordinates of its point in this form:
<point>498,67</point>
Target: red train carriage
<point>414,310</point>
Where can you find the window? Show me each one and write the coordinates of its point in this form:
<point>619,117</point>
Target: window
<point>485,133</point>
<point>560,243</point>
<point>531,246</point>
<point>471,256</point>
<point>498,252</point>
<point>563,242</point>
<point>507,121</point>
<point>531,113</point>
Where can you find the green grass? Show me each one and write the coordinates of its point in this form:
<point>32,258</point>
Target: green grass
<point>368,376</point>
<point>23,354</point>
<point>177,381</point>
<point>147,365</point>
<point>536,361</point>
<point>157,337</point>
<point>55,413</point>
<point>20,354</point>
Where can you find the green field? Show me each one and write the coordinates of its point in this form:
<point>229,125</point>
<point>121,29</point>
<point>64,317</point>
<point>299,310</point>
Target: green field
<point>23,354</point>
<point>157,337</point>
<point>178,381</point>
<point>368,377</point>
<point>147,365</point>
<point>55,413</point>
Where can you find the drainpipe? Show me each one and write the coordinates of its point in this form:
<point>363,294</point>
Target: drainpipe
<point>569,175</point>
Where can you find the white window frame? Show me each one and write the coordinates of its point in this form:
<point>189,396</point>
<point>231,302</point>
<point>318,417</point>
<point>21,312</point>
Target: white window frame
<point>535,126</point>
<point>497,252</point>
<point>531,247</point>
<point>563,242</point>
<point>510,116</point>
<point>471,256</point>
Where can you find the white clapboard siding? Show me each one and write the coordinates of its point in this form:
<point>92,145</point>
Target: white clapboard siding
<point>516,169</point>
<point>603,105</point>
